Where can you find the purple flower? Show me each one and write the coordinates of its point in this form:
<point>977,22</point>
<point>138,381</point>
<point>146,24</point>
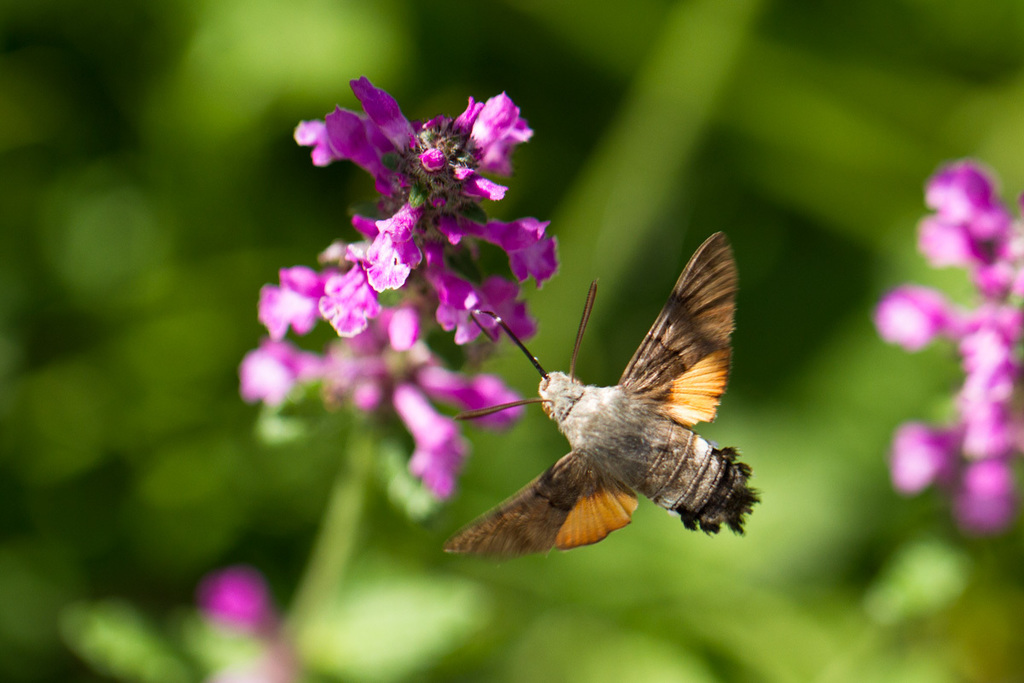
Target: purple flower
<point>921,456</point>
<point>457,299</point>
<point>990,365</point>
<point>972,457</point>
<point>428,176</point>
<point>994,280</point>
<point>405,273</point>
<point>538,259</point>
<point>403,328</point>
<point>988,431</point>
<point>439,448</point>
<point>470,393</point>
<point>958,191</point>
<point>464,123</point>
<point>314,134</point>
<point>352,137</point>
<point>529,251</point>
<point>269,372</point>
<point>349,301</point>
<point>294,303</point>
<point>946,244</point>
<point>963,193</point>
<point>437,159</point>
<point>479,187</point>
<point>384,111</point>
<point>912,316</point>
<point>986,502</point>
<point>393,253</point>
<point>501,296</point>
<point>388,367</point>
<point>237,597</point>
<point>497,129</point>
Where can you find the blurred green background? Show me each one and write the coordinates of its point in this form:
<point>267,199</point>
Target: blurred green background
<point>149,185</point>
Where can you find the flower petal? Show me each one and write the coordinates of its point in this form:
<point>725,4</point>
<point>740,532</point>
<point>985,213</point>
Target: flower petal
<point>314,134</point>
<point>987,502</point>
<point>517,234</point>
<point>440,450</point>
<point>922,456</point>
<point>269,372</point>
<point>988,430</point>
<point>912,316</point>
<point>456,298</point>
<point>539,260</point>
<point>500,296</point>
<point>403,328</point>
<point>478,186</point>
<point>349,302</point>
<point>366,226</point>
<point>960,191</point>
<point>497,129</point>
<point>384,111</point>
<point>947,244</point>
<point>471,393</point>
<point>389,262</point>
<point>401,225</point>
<point>237,597</point>
<point>464,122</point>
<point>347,133</point>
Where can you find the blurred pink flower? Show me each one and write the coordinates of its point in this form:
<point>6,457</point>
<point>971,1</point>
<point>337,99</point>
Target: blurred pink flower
<point>237,597</point>
<point>972,458</point>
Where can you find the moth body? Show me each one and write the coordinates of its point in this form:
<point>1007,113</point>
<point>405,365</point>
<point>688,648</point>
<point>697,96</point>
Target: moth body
<point>627,437</point>
<point>602,422</point>
<point>636,436</point>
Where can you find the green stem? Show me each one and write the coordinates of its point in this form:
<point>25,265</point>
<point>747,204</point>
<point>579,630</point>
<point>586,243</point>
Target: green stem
<point>339,527</point>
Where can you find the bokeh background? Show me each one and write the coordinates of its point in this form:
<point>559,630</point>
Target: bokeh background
<point>149,185</point>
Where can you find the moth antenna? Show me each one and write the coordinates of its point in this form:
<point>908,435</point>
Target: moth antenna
<point>490,335</point>
<point>587,308</point>
<point>481,412</point>
<point>513,337</point>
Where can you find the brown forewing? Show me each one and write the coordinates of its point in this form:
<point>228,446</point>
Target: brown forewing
<point>569,505</point>
<point>683,362</point>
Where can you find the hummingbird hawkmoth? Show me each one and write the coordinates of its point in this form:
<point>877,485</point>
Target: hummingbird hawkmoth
<point>635,436</point>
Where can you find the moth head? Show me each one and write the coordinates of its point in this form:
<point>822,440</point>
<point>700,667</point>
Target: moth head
<point>559,393</point>
<point>545,382</point>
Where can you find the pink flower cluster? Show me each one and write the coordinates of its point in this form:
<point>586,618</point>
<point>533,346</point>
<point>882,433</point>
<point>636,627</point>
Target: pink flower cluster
<point>427,174</point>
<point>428,218</point>
<point>972,458</point>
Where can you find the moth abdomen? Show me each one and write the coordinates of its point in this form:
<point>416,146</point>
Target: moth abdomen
<point>719,495</point>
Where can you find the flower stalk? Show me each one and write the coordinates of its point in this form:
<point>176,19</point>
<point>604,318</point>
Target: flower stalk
<point>339,528</point>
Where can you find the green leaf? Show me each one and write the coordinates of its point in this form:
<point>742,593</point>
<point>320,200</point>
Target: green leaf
<point>924,577</point>
<point>117,641</point>
<point>418,196</point>
<point>405,492</point>
<point>385,629</point>
<point>217,649</point>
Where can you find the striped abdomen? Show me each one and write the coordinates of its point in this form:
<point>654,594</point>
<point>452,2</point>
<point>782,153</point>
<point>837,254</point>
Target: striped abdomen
<point>704,485</point>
